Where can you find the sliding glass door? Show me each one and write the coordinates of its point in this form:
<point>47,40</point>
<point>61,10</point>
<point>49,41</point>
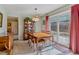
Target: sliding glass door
<point>54,30</point>
<point>64,32</point>
<point>60,29</point>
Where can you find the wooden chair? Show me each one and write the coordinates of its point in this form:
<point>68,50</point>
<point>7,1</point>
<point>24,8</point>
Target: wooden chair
<point>50,38</point>
<point>34,42</point>
<point>6,44</point>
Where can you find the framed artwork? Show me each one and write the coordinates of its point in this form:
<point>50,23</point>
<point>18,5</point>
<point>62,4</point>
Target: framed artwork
<point>1,17</point>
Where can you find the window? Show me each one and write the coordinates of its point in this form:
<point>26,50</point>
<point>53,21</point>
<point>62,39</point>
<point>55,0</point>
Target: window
<point>64,26</point>
<point>54,30</point>
<point>60,28</point>
<point>64,32</point>
<point>54,26</point>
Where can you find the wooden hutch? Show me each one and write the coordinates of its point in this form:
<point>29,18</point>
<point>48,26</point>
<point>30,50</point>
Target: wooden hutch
<point>28,27</point>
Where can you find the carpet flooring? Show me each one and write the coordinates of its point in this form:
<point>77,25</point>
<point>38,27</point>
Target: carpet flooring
<point>22,48</point>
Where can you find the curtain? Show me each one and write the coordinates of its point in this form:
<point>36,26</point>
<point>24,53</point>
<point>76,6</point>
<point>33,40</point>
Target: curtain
<point>46,22</point>
<point>74,29</point>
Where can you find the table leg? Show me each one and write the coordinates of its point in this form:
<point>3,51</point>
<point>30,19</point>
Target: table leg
<point>51,41</point>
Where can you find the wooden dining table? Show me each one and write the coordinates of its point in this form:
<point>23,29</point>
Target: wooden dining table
<point>39,35</point>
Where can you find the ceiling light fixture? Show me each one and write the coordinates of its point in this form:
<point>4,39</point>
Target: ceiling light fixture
<point>36,17</point>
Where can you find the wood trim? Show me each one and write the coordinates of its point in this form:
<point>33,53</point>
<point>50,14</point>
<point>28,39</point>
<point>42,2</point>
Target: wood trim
<point>1,19</point>
<point>12,19</point>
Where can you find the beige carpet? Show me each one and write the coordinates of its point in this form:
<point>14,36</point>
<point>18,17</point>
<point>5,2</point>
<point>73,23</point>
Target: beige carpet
<point>22,48</point>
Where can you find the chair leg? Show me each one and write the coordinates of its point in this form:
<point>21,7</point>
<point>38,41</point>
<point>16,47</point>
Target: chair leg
<point>34,47</point>
<point>10,52</point>
<point>29,42</point>
<point>51,41</point>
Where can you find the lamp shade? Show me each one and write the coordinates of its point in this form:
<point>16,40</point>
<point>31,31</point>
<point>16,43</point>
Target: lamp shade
<point>35,18</point>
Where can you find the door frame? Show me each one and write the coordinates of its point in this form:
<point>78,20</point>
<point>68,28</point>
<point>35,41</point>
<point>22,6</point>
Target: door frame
<point>12,18</point>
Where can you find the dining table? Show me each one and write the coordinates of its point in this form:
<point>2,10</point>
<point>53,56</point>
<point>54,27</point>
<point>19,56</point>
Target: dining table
<point>39,35</point>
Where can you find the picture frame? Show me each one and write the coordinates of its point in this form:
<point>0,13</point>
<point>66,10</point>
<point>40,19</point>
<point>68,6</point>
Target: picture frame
<point>1,18</point>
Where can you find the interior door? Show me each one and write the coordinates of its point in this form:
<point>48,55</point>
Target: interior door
<point>13,26</point>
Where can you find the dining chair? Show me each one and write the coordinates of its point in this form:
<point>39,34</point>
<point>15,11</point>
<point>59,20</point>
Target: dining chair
<point>50,39</point>
<point>37,46</point>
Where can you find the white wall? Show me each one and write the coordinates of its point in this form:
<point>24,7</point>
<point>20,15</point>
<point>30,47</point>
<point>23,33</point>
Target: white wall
<point>20,27</point>
<point>3,29</point>
<point>38,26</point>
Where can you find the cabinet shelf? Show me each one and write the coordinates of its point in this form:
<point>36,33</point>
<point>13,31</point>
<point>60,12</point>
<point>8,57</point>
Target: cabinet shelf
<point>28,28</point>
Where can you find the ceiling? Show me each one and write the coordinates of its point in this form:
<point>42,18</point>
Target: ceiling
<point>28,9</point>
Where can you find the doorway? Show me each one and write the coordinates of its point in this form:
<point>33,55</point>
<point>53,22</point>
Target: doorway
<point>12,26</point>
